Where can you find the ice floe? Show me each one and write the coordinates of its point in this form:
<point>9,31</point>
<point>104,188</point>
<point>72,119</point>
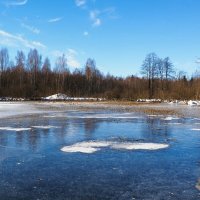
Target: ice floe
<point>198,185</point>
<point>44,127</point>
<point>85,147</point>
<point>174,123</point>
<point>139,146</point>
<point>195,129</point>
<point>103,117</point>
<point>14,129</point>
<point>170,118</point>
<point>94,146</point>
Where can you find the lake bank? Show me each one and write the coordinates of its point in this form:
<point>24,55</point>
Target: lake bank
<point>9,109</point>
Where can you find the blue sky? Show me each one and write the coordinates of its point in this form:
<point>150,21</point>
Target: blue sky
<point>116,33</point>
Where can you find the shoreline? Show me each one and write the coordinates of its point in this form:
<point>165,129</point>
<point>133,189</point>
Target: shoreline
<point>13,108</point>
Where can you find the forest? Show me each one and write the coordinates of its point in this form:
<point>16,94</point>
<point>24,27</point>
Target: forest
<point>32,77</point>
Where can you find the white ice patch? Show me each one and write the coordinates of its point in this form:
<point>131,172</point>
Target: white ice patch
<point>106,116</point>
<point>49,116</point>
<point>195,129</point>
<point>170,118</point>
<point>175,123</point>
<point>139,146</point>
<point>85,147</point>
<point>94,146</point>
<point>10,109</point>
<point>14,129</point>
<point>44,127</point>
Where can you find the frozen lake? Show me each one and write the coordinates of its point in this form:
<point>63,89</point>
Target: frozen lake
<point>76,154</point>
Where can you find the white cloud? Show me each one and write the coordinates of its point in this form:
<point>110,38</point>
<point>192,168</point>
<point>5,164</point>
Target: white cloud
<point>110,12</point>
<point>97,22</point>
<point>85,33</point>
<point>16,3</point>
<point>55,20</point>
<point>94,16</point>
<point>197,61</point>
<point>18,41</point>
<point>97,15</point>
<point>38,44</point>
<point>31,28</point>
<point>80,2</point>
<point>71,56</point>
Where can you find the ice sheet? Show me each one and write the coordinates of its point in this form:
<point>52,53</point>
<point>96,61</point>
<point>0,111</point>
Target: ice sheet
<point>14,129</point>
<point>94,146</point>
<point>44,127</point>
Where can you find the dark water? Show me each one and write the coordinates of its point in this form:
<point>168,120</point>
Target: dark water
<point>32,166</point>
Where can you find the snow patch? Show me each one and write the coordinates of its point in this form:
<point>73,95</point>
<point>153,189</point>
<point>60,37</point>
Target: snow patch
<point>195,129</point>
<point>64,97</point>
<point>103,117</point>
<point>139,146</point>
<point>85,147</point>
<point>58,96</point>
<point>193,103</point>
<point>14,129</point>
<point>174,123</point>
<point>44,127</point>
<point>149,100</point>
<point>94,146</point>
<point>170,118</point>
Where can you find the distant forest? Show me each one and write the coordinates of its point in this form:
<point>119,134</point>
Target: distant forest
<point>33,77</point>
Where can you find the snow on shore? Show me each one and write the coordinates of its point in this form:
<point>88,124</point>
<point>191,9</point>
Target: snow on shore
<point>94,146</point>
<point>64,97</point>
<point>180,102</point>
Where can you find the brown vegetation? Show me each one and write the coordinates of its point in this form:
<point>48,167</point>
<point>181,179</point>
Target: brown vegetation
<point>31,77</point>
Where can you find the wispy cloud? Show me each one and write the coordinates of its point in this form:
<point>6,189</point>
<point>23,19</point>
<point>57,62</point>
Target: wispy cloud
<point>30,28</point>
<point>110,12</point>
<point>71,55</point>
<point>53,20</point>
<point>18,41</point>
<point>16,3</point>
<point>85,33</point>
<point>197,61</point>
<point>94,16</point>
<point>80,3</point>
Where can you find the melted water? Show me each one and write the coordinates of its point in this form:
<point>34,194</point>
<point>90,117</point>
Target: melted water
<point>32,165</point>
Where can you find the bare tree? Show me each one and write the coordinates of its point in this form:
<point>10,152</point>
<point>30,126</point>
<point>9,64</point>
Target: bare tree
<point>46,67</point>
<point>34,63</point>
<point>168,68</point>
<point>149,69</point>
<point>62,70</point>
<point>90,67</point>
<point>20,66</point>
<point>4,62</point>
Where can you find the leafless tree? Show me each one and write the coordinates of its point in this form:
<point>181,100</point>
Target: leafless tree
<point>34,62</point>
<point>4,61</point>
<point>150,70</point>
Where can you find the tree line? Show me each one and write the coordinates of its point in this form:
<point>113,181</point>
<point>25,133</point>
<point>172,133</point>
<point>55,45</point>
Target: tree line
<point>30,76</point>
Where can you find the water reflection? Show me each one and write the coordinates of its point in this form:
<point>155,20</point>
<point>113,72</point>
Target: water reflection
<point>33,167</point>
<point>156,129</point>
<point>71,129</point>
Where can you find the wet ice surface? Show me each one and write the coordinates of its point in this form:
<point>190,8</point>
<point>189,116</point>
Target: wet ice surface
<point>120,163</point>
<point>94,146</point>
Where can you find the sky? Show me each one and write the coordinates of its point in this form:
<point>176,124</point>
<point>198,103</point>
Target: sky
<point>118,34</point>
